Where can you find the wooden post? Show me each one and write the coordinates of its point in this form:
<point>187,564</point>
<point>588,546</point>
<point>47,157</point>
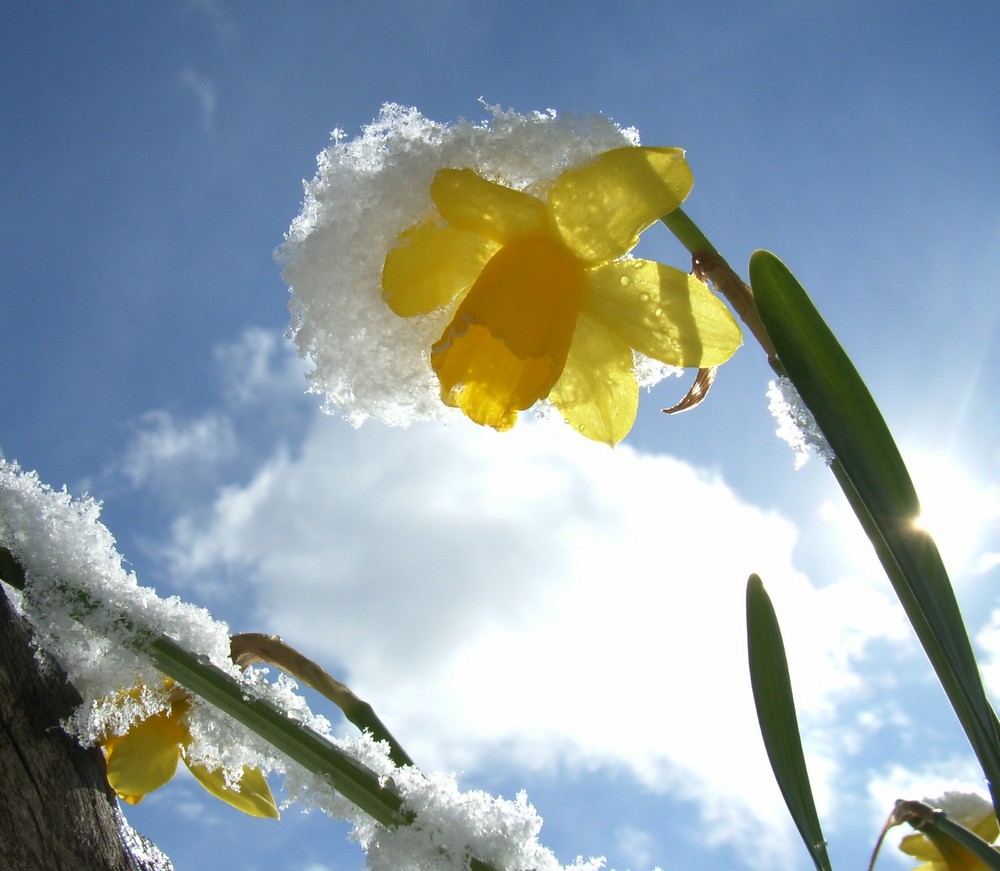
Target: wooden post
<point>57,812</point>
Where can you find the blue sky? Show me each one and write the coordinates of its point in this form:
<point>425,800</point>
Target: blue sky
<point>485,592</point>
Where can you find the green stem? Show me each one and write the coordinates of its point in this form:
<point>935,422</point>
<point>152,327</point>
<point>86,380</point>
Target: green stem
<point>709,265</point>
<point>687,232</point>
<point>248,648</point>
<point>350,778</point>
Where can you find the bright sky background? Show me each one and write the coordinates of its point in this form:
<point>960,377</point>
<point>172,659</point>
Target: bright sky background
<point>531,610</point>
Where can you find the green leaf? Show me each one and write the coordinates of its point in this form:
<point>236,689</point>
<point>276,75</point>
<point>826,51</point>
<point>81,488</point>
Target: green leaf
<point>779,727</point>
<point>874,478</point>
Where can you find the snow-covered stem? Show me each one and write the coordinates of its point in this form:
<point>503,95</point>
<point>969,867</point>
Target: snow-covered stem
<point>253,647</point>
<point>350,778</point>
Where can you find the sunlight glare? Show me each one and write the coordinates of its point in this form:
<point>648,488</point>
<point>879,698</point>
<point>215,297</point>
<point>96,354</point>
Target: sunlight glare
<point>960,512</point>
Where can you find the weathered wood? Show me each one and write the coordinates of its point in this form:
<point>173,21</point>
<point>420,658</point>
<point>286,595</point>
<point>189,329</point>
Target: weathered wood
<point>57,812</point>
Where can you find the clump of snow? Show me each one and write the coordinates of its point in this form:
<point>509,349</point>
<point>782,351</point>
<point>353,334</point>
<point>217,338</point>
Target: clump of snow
<point>368,361</point>
<point>91,615</point>
<point>86,609</point>
<point>451,825</point>
<point>967,808</point>
<point>796,424</point>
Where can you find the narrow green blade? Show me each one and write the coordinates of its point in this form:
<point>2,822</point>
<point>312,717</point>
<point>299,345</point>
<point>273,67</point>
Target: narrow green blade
<point>779,727</point>
<point>874,478</point>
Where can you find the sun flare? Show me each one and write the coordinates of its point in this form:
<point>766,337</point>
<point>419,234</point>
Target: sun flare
<point>958,510</point>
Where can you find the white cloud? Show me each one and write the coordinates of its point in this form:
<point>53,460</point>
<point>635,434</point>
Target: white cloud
<point>988,640</point>
<point>635,845</point>
<point>533,599</point>
<point>528,601</point>
<point>162,444</point>
<point>260,366</point>
<point>204,90</point>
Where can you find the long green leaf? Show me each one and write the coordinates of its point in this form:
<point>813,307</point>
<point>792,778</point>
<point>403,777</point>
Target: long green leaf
<point>872,474</point>
<point>772,694</point>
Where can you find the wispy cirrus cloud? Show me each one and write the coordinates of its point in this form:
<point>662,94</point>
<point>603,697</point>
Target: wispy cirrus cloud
<point>205,93</point>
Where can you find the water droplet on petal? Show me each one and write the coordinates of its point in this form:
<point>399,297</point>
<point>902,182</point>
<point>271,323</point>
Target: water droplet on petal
<point>625,281</point>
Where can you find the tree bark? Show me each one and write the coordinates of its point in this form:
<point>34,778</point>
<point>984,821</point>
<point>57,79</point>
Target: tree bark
<point>57,812</point>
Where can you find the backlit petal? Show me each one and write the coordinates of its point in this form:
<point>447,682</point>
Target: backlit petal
<point>663,313</point>
<point>253,797</point>
<point>597,393</point>
<point>508,341</point>
<point>920,847</point>
<point>500,213</point>
<point>601,207</point>
<point>432,265</point>
<point>145,757</point>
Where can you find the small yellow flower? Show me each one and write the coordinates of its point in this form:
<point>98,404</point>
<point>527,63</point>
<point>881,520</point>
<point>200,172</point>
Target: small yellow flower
<point>941,853</point>
<point>146,757</point>
<point>546,305</point>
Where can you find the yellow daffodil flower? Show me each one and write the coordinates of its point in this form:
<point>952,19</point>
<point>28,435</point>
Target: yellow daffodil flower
<point>146,757</point>
<point>941,853</point>
<point>546,305</point>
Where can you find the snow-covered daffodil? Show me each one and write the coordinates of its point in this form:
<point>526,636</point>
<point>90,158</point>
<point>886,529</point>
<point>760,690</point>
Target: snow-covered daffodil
<point>488,265</point>
<point>941,853</point>
<point>543,302</point>
<point>146,756</point>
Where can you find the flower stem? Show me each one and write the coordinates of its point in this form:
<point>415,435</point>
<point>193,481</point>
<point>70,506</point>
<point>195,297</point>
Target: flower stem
<point>349,777</point>
<point>709,265</point>
<point>687,232</point>
<point>252,647</point>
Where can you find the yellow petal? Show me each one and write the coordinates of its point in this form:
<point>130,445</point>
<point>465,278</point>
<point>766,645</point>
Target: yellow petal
<point>130,799</point>
<point>253,796</point>
<point>597,393</point>
<point>432,265</point>
<point>145,757</point>
<point>500,213</point>
<point>601,207</point>
<point>941,852</point>
<point>508,341</point>
<point>663,313</point>
<point>920,847</point>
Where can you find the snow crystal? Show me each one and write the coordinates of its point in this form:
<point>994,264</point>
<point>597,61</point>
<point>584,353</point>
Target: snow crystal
<point>366,360</point>
<point>796,424</point>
